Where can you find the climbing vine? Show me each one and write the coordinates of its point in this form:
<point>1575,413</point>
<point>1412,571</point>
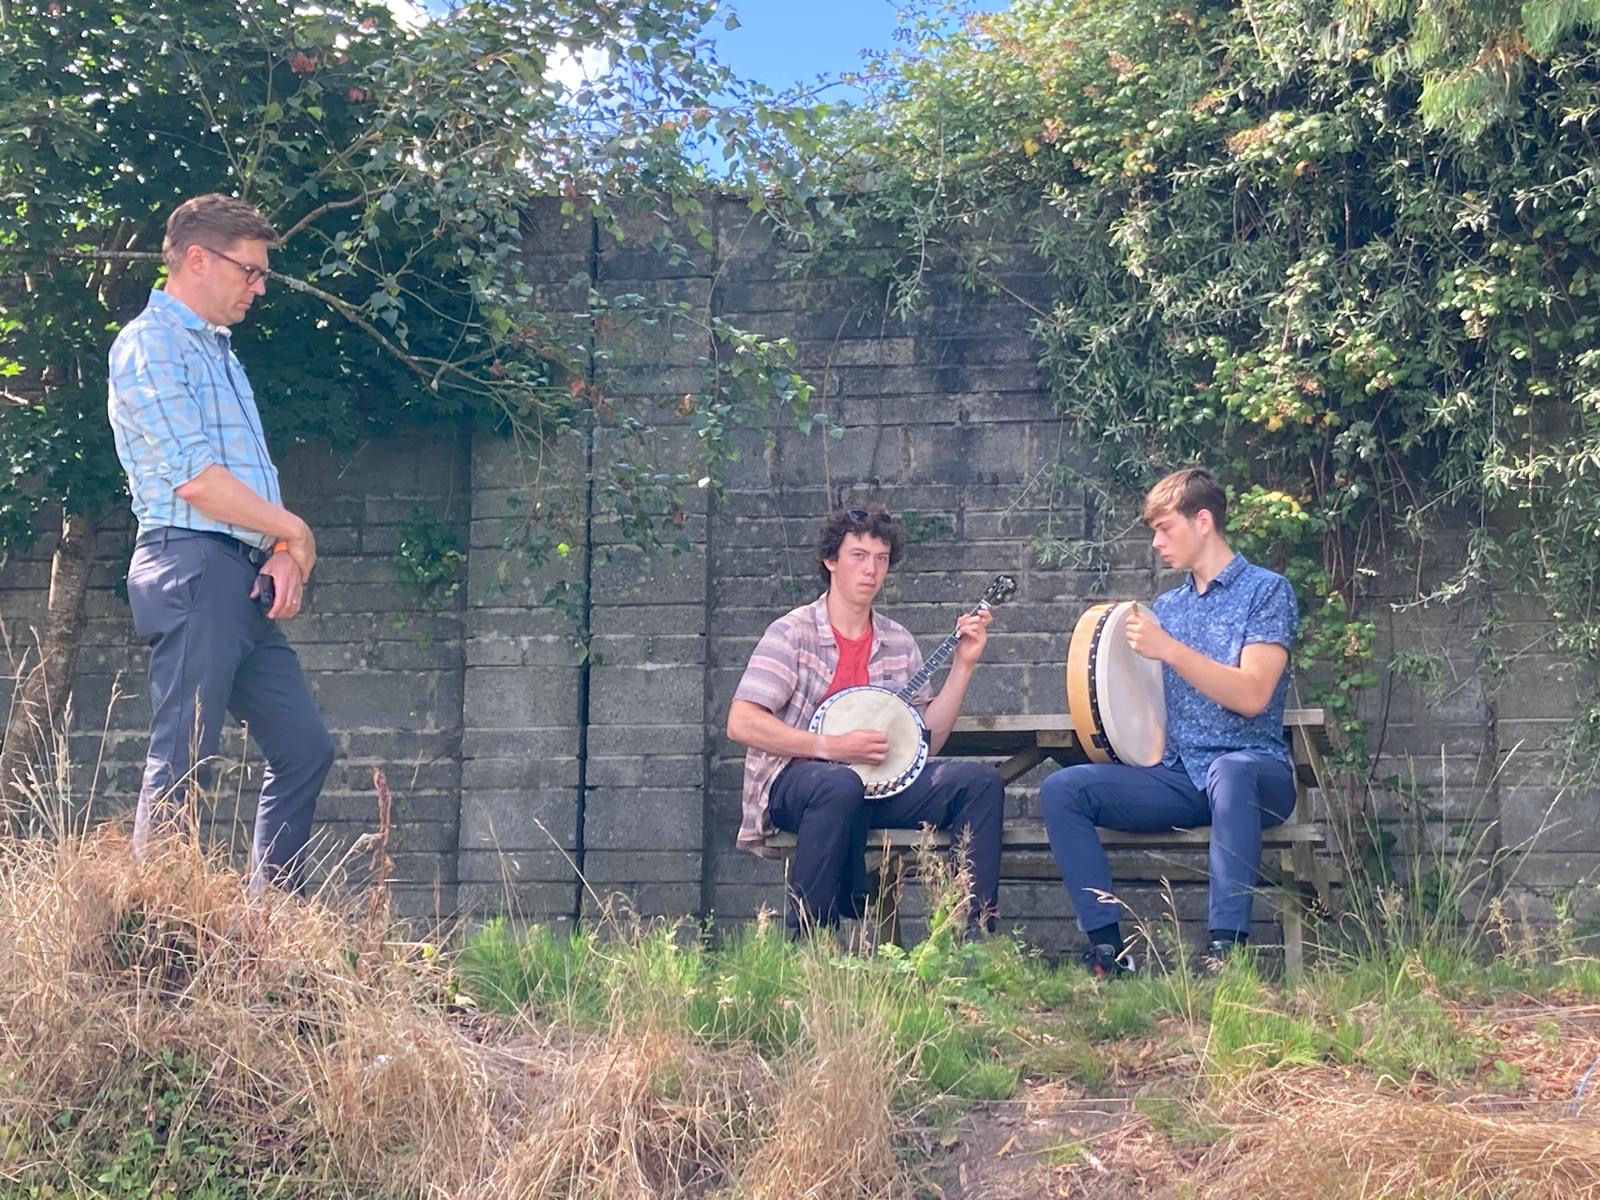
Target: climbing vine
<point>1345,253</point>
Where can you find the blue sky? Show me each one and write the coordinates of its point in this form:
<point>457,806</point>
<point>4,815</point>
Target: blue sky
<point>782,42</point>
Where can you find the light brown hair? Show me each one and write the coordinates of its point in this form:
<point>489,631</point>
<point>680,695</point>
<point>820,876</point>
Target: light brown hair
<point>214,221</point>
<point>1186,492</point>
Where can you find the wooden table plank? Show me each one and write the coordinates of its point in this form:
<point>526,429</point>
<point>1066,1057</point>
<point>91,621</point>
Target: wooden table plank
<point>1024,724</point>
<point>1011,736</point>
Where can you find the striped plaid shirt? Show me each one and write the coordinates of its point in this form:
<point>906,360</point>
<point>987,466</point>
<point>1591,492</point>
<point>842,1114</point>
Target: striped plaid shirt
<point>788,675</point>
<point>179,402</point>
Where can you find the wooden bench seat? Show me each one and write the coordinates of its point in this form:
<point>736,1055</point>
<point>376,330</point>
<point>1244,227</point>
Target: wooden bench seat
<point>1290,864</point>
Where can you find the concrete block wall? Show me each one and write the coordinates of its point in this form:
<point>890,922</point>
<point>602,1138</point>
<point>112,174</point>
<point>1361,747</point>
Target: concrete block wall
<point>563,717</point>
<point>386,670</point>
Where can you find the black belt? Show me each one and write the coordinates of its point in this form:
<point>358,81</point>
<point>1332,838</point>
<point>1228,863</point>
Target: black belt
<point>172,533</point>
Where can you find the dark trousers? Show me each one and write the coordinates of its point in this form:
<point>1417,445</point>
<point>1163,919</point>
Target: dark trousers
<point>213,651</point>
<point>1245,791</point>
<point>823,804</point>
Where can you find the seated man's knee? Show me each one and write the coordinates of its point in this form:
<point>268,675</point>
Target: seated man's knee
<point>837,787</point>
<point>1236,782</point>
<point>1063,792</point>
<point>1230,771</point>
<point>981,782</point>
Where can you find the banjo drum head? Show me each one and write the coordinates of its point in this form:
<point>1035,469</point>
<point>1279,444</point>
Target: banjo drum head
<point>875,708</point>
<point>1114,691</point>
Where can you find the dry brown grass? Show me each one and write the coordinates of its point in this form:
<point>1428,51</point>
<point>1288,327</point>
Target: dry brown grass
<point>1316,1135</point>
<point>327,1047</point>
<point>303,1022</point>
<point>832,1131</point>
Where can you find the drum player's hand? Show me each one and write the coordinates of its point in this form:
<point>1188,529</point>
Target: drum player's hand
<point>974,631</point>
<point>858,746</point>
<point>1147,637</point>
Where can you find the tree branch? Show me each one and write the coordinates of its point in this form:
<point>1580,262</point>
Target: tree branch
<point>431,370</point>
<point>321,211</point>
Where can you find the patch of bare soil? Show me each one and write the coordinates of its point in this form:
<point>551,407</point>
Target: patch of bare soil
<point>1055,1140</point>
<point>1300,1132</point>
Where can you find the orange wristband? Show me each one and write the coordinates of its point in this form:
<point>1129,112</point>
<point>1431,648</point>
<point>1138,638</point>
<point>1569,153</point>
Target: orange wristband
<point>279,546</point>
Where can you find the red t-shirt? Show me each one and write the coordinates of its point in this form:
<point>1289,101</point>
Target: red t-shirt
<point>853,656</point>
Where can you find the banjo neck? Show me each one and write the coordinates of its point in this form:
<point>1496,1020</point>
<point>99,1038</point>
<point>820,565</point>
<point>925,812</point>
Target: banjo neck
<point>936,660</point>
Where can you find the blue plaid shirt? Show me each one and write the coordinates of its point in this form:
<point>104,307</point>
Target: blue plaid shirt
<point>1244,604</point>
<point>179,402</point>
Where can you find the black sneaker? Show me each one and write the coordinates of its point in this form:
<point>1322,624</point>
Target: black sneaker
<point>1105,963</point>
<point>1216,956</point>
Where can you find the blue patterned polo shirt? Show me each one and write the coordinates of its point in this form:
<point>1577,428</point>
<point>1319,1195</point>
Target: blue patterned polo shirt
<point>1244,603</point>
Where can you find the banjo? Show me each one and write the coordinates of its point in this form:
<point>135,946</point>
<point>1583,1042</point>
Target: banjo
<point>892,713</point>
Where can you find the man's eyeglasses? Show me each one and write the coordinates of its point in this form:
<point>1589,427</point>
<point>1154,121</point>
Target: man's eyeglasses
<point>860,516</point>
<point>252,273</point>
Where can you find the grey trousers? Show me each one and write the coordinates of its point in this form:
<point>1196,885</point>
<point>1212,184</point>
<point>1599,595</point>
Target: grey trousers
<point>212,651</point>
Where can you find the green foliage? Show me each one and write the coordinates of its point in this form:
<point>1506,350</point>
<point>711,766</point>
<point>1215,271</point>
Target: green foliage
<point>148,1134</point>
<point>428,560</point>
<point>1249,1032</point>
<point>751,992</point>
<point>400,160</point>
<point>1299,241</point>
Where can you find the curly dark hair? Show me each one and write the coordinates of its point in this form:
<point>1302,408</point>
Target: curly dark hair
<point>872,521</point>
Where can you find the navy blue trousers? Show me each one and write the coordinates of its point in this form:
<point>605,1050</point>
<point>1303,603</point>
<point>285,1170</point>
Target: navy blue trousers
<point>1245,792</point>
<point>823,804</point>
<point>212,652</point>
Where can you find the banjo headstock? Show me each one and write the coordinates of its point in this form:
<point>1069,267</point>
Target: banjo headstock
<point>999,591</point>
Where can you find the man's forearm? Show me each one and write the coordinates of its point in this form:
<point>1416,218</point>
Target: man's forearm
<point>1235,688</point>
<point>941,713</point>
<point>222,496</point>
<point>751,725</point>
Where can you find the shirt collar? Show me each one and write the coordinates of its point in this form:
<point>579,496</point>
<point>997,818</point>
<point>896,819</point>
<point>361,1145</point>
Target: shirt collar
<point>165,302</point>
<point>1224,577</point>
<point>824,624</point>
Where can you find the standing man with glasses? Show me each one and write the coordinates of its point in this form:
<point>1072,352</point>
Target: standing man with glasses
<point>218,561</point>
<point>799,781</point>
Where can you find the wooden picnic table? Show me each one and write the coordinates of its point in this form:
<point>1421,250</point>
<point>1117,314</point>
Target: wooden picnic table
<point>1024,741</point>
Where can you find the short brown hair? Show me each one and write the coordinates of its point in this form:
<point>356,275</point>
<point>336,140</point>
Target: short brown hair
<point>872,521</point>
<point>1186,492</point>
<point>212,220</point>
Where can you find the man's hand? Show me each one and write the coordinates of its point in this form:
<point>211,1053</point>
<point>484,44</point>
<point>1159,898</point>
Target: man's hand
<point>974,631</point>
<point>303,550</point>
<point>1147,637</point>
<point>288,584</point>
<point>860,746</point>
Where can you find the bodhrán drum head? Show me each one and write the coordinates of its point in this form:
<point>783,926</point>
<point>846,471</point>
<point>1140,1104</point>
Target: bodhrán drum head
<point>1132,700</point>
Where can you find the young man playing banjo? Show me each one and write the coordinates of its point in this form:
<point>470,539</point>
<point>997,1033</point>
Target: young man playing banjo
<point>1223,639</point>
<point>800,781</point>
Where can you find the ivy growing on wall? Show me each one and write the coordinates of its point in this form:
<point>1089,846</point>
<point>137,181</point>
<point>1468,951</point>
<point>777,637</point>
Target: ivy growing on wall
<point>1345,253</point>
